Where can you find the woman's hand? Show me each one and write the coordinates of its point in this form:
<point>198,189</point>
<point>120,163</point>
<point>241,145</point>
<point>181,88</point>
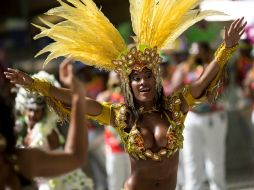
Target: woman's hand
<point>64,72</point>
<point>18,77</point>
<point>234,33</point>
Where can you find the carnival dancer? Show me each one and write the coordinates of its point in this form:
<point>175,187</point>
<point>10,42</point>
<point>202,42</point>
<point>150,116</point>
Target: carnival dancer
<point>150,124</point>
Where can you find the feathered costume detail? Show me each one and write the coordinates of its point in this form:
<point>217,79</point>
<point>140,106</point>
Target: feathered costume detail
<point>86,35</point>
<point>159,22</point>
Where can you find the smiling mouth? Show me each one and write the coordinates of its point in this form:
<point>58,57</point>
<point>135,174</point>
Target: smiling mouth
<point>144,90</point>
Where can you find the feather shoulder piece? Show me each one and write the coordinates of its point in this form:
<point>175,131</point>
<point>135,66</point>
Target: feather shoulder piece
<point>85,34</point>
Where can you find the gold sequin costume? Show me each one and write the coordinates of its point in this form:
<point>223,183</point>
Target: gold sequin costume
<point>85,34</point>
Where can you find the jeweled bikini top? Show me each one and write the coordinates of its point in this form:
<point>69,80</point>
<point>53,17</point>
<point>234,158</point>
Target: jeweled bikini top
<point>136,147</point>
<point>133,140</point>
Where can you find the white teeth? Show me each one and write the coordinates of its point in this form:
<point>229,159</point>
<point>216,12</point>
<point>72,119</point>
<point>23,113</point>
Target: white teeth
<point>144,89</point>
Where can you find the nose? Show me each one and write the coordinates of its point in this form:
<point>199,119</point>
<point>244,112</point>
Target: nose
<point>143,80</point>
<point>31,113</point>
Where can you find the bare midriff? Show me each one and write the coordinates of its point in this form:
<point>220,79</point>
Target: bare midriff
<point>152,175</point>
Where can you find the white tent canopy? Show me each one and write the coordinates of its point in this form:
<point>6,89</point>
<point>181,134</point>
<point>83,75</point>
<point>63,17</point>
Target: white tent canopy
<point>235,9</point>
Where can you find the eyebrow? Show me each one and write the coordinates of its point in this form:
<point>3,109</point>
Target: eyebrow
<point>134,73</point>
<point>148,71</point>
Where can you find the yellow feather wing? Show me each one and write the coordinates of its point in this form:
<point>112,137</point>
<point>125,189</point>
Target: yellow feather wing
<point>85,34</point>
<point>159,22</point>
<point>187,21</point>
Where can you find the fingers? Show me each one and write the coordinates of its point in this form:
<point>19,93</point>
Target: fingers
<point>241,33</point>
<point>12,70</point>
<point>10,77</point>
<point>233,24</point>
<point>10,74</point>
<point>238,23</point>
<point>242,28</point>
<point>237,27</point>
<point>12,80</point>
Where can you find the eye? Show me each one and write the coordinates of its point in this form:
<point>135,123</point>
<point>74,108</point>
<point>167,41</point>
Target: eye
<point>135,78</point>
<point>148,75</point>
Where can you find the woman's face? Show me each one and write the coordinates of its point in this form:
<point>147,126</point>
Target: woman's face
<point>143,85</point>
<point>34,115</point>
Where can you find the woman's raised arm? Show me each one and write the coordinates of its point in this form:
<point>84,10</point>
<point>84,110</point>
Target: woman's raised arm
<point>43,163</point>
<point>46,89</point>
<point>212,72</point>
<point>20,78</point>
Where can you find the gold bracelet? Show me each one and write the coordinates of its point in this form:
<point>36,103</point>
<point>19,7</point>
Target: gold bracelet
<point>40,86</point>
<point>223,53</point>
<point>190,100</point>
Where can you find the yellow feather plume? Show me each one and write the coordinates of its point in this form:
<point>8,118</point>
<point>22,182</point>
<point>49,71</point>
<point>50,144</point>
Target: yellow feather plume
<point>85,35</point>
<point>160,22</point>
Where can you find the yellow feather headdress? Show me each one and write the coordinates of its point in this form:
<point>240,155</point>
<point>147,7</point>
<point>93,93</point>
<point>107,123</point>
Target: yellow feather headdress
<point>86,34</point>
